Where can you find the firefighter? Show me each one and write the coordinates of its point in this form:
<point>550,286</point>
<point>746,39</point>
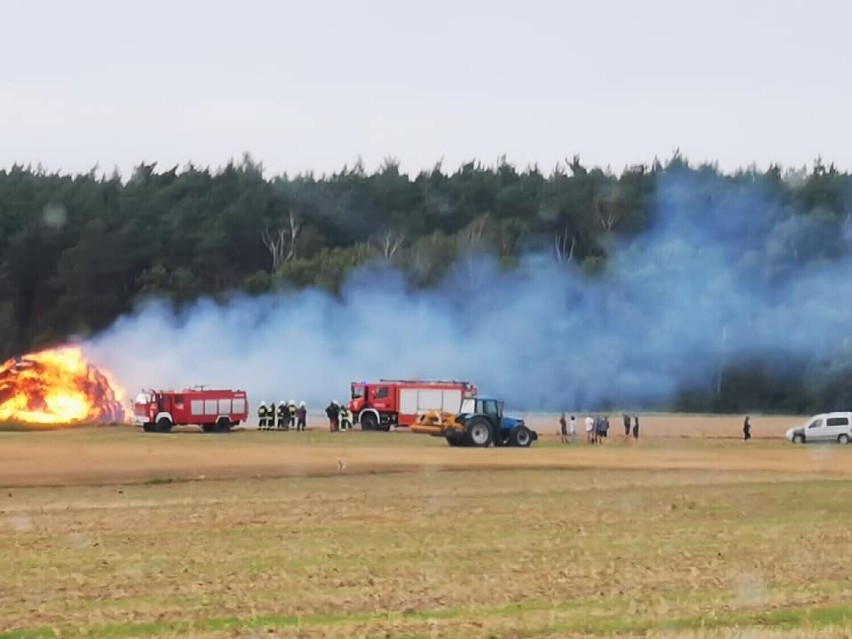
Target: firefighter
<point>301,416</point>
<point>281,415</point>
<point>333,412</point>
<point>293,408</point>
<point>345,418</point>
<point>270,419</point>
<point>261,416</point>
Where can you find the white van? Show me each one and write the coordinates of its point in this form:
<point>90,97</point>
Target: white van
<point>828,427</point>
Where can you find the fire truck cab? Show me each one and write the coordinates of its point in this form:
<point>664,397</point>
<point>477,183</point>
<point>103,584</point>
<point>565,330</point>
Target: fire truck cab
<point>380,405</point>
<point>215,410</point>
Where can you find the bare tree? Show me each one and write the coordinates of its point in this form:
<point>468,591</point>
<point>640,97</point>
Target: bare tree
<point>470,243</point>
<point>388,242</point>
<point>564,250</point>
<point>607,216</point>
<point>472,235</point>
<point>282,242</point>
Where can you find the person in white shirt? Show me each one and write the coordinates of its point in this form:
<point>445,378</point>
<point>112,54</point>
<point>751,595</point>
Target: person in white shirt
<point>590,428</point>
<point>572,429</point>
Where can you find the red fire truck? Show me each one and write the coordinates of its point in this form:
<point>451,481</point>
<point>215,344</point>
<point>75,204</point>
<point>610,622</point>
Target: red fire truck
<point>213,410</point>
<point>395,402</point>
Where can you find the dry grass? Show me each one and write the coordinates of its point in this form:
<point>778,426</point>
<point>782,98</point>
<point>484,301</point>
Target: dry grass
<point>673,538</point>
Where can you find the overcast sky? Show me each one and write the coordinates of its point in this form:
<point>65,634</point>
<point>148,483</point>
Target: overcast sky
<point>313,85</point>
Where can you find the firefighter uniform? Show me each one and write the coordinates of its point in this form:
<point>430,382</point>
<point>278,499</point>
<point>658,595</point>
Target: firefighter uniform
<point>333,412</point>
<point>302,416</point>
<point>283,417</point>
<point>292,408</point>
<point>262,413</point>
<point>270,417</point>
<point>345,418</point>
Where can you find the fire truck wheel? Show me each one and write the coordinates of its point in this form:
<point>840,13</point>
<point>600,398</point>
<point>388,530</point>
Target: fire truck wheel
<point>208,428</point>
<point>148,428</point>
<point>369,422</point>
<point>479,432</point>
<point>164,425</point>
<point>223,425</point>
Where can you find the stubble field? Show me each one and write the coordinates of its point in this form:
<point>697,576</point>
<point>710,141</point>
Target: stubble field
<point>108,532</point>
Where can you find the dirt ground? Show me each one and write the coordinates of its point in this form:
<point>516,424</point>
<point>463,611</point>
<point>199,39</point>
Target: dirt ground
<point>108,455</point>
<point>688,533</point>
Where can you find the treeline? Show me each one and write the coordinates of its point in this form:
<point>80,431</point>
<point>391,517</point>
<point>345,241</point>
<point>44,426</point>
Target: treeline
<point>76,251</point>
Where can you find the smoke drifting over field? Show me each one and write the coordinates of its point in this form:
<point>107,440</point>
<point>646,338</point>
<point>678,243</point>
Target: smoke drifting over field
<point>726,272</point>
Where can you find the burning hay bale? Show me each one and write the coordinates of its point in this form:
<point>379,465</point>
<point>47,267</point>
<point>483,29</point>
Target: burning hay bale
<point>57,387</point>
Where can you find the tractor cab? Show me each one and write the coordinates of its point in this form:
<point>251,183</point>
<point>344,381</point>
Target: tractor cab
<point>491,408</point>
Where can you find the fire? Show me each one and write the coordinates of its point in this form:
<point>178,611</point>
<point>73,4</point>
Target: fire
<point>58,387</point>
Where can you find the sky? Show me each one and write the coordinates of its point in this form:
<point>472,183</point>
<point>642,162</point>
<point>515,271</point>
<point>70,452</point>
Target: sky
<point>314,86</point>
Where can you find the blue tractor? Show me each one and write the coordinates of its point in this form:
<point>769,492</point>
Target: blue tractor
<point>479,423</point>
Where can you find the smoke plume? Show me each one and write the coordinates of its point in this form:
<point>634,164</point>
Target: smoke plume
<point>727,270</point>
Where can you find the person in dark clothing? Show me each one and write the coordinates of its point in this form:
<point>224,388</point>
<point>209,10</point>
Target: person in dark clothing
<point>746,429</point>
<point>636,427</point>
<point>563,428</point>
<point>301,416</point>
<point>626,425</point>
<point>333,412</point>
<point>286,416</point>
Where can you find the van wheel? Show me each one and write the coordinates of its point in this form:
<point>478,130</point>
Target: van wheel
<point>843,439</point>
<point>798,438</point>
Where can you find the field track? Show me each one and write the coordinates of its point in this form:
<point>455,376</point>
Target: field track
<point>109,455</point>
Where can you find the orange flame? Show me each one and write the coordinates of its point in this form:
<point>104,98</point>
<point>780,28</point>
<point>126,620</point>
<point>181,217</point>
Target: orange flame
<point>58,387</point>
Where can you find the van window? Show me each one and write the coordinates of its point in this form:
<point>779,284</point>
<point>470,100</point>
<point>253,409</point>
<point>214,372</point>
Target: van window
<point>838,421</point>
<point>817,423</point>
<point>381,392</point>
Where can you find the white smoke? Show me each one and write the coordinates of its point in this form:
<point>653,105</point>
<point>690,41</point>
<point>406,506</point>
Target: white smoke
<point>726,271</point>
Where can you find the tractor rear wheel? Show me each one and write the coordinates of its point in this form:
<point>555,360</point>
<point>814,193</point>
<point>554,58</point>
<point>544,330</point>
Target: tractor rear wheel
<point>164,425</point>
<point>479,432</point>
<point>521,437</point>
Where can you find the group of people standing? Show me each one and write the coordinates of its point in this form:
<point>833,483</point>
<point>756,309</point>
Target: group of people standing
<point>284,416</point>
<point>597,428</point>
<point>339,417</point>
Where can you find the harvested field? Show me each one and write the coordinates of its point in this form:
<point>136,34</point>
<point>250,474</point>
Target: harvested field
<point>371,534</point>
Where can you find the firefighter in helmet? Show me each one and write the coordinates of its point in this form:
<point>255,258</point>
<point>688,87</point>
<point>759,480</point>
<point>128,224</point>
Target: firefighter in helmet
<point>292,406</point>
<point>261,416</point>
<point>283,416</point>
<point>301,416</point>
<point>333,413</point>
<point>345,418</point>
